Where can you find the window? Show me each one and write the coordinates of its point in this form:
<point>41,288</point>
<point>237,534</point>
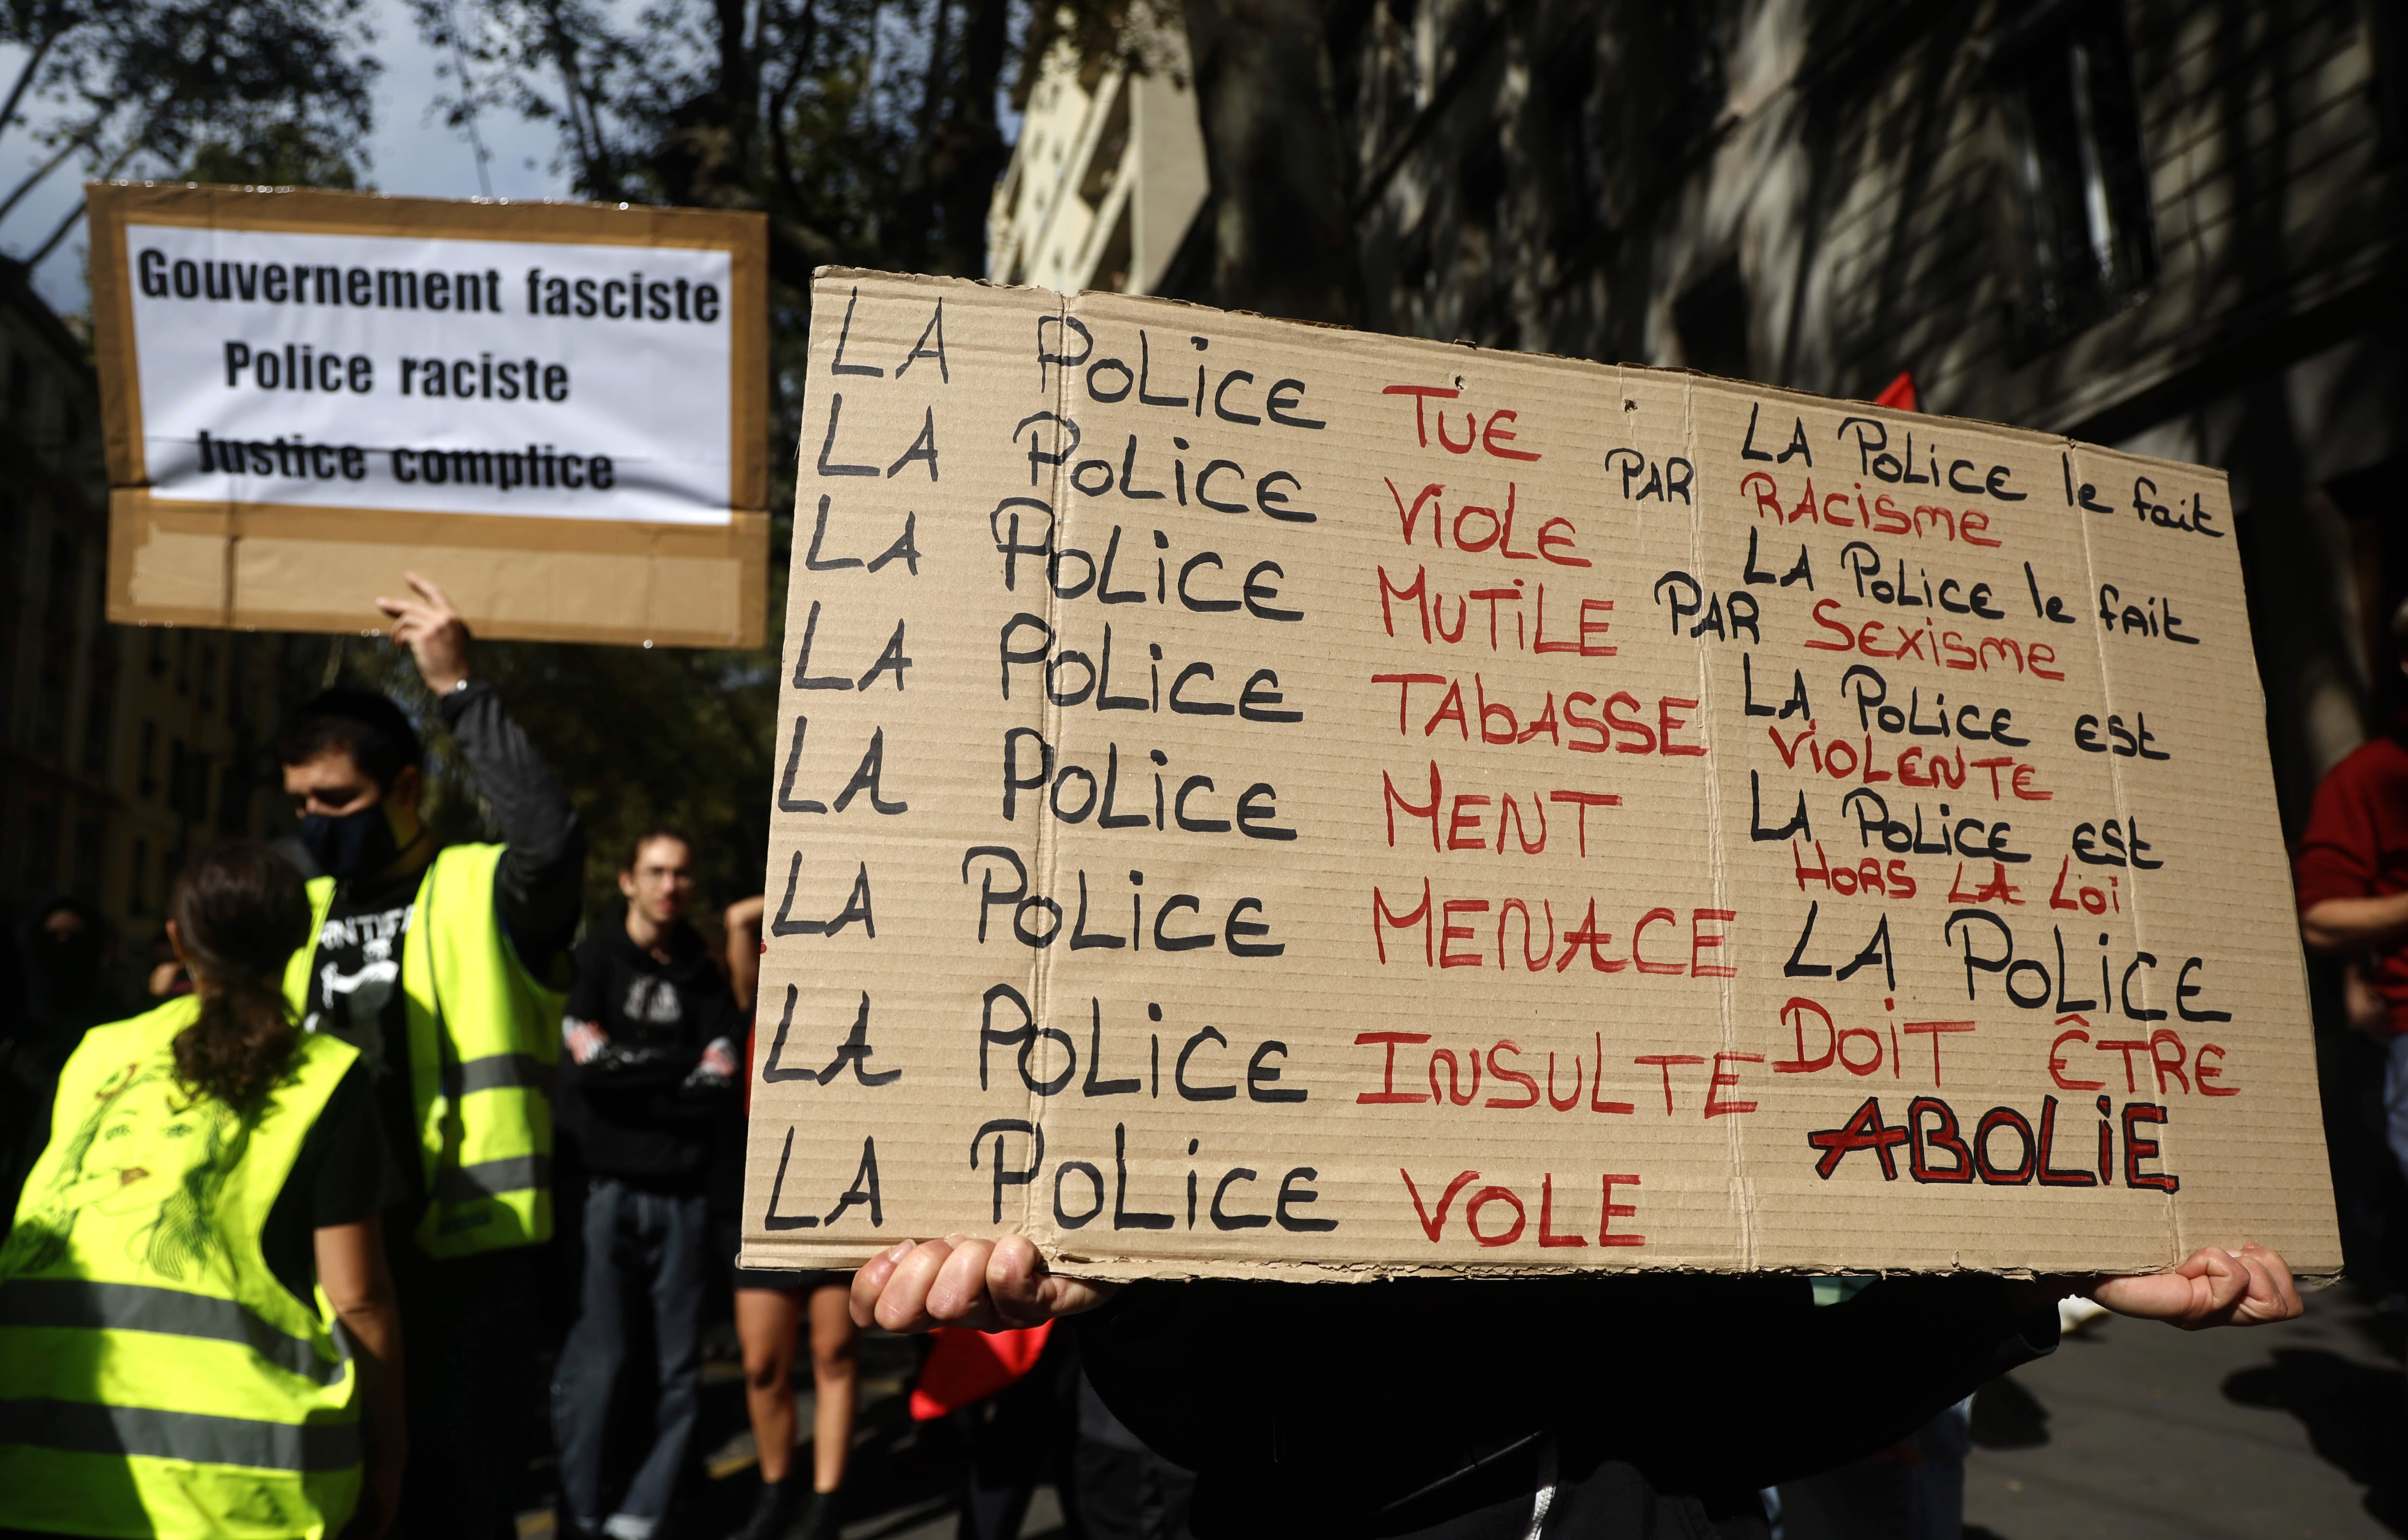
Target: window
<point>138,874</point>
<point>41,849</point>
<point>100,702</point>
<point>1112,147</point>
<point>2089,237</point>
<point>87,855</point>
<point>240,651</point>
<point>52,692</point>
<point>188,782</point>
<point>1113,262</point>
<point>234,800</point>
<point>147,765</point>
<point>1711,317</point>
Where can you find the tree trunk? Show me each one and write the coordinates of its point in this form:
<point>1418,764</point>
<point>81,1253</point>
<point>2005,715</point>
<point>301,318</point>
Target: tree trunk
<point>972,153</point>
<point>1281,241</point>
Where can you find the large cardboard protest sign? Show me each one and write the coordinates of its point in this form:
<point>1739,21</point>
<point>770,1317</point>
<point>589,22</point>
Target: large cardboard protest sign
<point>1258,799</point>
<point>557,411</point>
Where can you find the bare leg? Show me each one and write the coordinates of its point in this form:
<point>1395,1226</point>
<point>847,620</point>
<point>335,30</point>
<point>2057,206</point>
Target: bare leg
<point>765,1323</point>
<point>836,1375</point>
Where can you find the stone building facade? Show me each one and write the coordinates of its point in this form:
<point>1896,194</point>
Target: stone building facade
<point>122,749</point>
<point>1106,176</point>
<point>2171,225</point>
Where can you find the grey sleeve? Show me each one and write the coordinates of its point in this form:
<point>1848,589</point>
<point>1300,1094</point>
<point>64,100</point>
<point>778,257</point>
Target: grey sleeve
<point>540,882</point>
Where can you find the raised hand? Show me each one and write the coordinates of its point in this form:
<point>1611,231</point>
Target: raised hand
<point>987,1284</point>
<point>2212,1287</point>
<point>433,631</point>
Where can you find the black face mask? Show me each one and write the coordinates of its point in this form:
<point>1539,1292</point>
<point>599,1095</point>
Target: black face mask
<point>352,845</point>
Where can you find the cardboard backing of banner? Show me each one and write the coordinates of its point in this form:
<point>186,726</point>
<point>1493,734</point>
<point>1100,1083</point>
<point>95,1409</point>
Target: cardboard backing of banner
<point>260,556</point>
<point>1264,800</point>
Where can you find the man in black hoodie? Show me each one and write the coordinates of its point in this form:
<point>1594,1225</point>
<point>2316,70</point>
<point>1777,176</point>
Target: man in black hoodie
<point>650,1034</point>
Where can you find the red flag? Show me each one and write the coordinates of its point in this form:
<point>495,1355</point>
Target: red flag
<point>1899,394</point>
<point>965,1367</point>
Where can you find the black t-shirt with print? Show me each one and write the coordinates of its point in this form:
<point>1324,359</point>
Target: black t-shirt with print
<point>354,993</point>
<point>345,1171</point>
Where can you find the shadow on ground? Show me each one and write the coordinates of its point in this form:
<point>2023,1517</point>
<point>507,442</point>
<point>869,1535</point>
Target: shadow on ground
<point>2355,1415</point>
<point>2006,1416</point>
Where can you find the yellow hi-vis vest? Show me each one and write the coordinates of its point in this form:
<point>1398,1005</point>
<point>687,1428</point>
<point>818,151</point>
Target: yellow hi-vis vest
<point>484,1037</point>
<point>155,1378</point>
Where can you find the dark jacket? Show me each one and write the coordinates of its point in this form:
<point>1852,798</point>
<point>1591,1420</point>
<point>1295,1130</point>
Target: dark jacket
<point>1385,1409</point>
<point>632,1110</point>
<point>540,882</point>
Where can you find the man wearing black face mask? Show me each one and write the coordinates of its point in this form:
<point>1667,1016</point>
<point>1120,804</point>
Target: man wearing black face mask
<point>446,968</point>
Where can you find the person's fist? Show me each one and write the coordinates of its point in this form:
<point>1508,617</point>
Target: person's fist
<point>433,631</point>
<point>987,1286</point>
<point>2212,1287</point>
<point>582,1039</point>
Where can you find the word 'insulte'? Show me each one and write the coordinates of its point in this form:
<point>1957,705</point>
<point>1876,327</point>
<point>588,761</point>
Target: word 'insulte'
<point>537,467</point>
<point>1720,1076</point>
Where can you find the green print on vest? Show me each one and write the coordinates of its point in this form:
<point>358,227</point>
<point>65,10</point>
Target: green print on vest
<point>156,1377</point>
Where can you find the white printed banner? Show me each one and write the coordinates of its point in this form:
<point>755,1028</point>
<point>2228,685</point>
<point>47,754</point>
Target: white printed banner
<point>433,376</point>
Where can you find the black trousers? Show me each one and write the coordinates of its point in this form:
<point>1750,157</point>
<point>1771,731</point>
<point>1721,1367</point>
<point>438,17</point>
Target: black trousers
<point>470,1335</point>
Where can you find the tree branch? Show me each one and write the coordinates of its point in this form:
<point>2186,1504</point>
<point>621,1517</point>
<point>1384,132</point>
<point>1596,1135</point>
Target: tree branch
<point>58,234</point>
<point>33,178</point>
<point>25,80</point>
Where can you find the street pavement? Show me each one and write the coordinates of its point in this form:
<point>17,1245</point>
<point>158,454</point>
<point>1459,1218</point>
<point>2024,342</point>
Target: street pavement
<point>2131,1429</point>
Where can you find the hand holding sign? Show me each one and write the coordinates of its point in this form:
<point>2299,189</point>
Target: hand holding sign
<point>433,631</point>
<point>989,1286</point>
<point>2212,1287</point>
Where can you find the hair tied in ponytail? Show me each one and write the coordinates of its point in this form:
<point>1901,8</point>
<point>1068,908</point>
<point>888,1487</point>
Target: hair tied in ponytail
<point>240,912</point>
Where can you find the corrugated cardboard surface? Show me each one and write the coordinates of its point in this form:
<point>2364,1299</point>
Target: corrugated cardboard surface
<point>1607,1001</point>
<point>181,563</point>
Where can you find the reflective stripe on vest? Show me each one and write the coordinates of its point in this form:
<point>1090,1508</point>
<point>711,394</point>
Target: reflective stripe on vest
<point>155,1375</point>
<point>485,1037</point>
<point>462,1184</point>
<point>79,1427</point>
<point>169,1312</point>
<point>496,1071</point>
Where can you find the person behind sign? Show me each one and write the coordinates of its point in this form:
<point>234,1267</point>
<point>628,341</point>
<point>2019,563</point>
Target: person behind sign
<point>1576,1404</point>
<point>2352,876</point>
<point>770,1307</point>
<point>651,1033</point>
<point>446,969</point>
<point>204,1219</point>
<point>63,992</point>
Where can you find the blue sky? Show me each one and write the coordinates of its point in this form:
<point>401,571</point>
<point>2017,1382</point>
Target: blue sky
<point>412,152</point>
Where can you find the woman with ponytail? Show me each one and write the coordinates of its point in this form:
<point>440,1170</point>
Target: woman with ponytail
<point>197,1329</point>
